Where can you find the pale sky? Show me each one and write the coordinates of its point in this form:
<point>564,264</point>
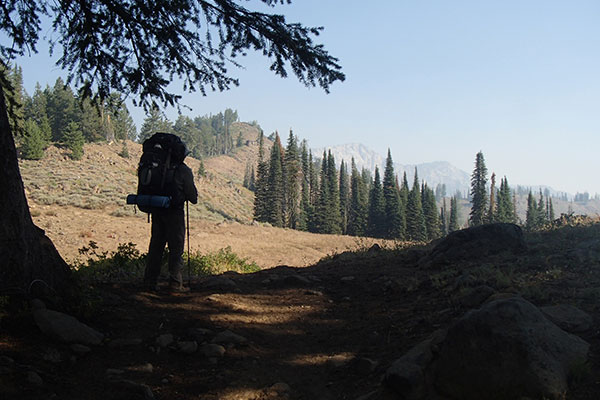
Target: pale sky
<point>435,80</point>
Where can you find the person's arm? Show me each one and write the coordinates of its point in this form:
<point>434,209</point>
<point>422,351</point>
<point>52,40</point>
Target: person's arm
<point>189,188</point>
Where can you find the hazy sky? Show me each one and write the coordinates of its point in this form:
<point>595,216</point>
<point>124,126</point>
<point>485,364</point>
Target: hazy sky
<point>436,80</point>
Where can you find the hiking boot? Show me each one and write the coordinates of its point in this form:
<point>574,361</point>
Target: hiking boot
<point>178,288</point>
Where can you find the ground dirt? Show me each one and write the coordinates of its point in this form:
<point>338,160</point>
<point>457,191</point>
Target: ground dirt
<point>327,331</point>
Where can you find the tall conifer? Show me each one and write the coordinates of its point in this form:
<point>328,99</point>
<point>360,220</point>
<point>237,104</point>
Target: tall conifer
<point>479,198</point>
<point>275,184</point>
<point>430,212</point>
<point>393,220</point>
<point>376,216</point>
<point>344,196</point>
<point>453,221</point>
<point>415,220</point>
<point>357,218</point>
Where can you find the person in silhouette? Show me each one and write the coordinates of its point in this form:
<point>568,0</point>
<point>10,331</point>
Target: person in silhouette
<point>168,227</point>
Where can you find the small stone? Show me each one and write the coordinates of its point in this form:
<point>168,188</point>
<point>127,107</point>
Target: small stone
<point>280,387</point>
<point>52,355</point>
<point>4,360</point>
<point>311,292</point>
<point>164,381</point>
<point>212,350</point>
<point>114,371</point>
<point>34,378</point>
<point>80,349</point>
<point>347,278</point>
<point>165,340</point>
<point>119,343</point>
<point>187,347</point>
<point>228,337</point>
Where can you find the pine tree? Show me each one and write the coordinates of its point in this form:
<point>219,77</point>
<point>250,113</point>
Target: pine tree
<point>293,181</point>
<point>491,214</point>
<point>344,197</point>
<point>478,192</point>
<point>15,96</point>
<point>154,122</point>
<point>542,216</point>
<point>61,109</point>
<point>443,218</point>
<point>376,216</point>
<point>275,185</point>
<point>35,109</point>
<point>334,223</point>
<point>357,219</point>
<point>415,220</point>
<point>261,193</point>
<point>73,140</point>
<point>453,222</point>
<point>430,213</point>
<point>32,145</point>
<point>551,215</point>
<point>531,216</point>
<point>305,203</point>
<point>393,225</point>
<point>504,208</point>
<point>320,217</point>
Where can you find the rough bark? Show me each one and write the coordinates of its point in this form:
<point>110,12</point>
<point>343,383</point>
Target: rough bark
<point>28,259</point>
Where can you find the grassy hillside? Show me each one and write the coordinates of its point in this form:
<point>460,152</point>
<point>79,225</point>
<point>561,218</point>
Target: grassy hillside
<point>103,178</point>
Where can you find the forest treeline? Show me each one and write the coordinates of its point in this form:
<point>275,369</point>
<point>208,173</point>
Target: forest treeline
<point>294,189</point>
<point>57,115</point>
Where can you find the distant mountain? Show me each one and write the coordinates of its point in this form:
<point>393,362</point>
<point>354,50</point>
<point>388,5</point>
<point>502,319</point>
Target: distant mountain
<point>434,173</point>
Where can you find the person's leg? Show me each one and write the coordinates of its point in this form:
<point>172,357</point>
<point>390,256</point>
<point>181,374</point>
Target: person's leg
<point>176,241</point>
<point>155,250</point>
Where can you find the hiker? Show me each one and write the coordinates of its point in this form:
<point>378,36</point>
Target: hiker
<point>168,224</point>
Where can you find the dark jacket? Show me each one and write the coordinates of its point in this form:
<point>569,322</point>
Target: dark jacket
<point>184,187</point>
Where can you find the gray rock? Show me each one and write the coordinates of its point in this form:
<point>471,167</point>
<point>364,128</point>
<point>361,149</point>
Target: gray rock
<point>569,318</point>
<point>200,334</point>
<point>165,340</point>
<point>135,389</point>
<point>347,278</point>
<point>228,337</point>
<point>476,242</point>
<point>211,350</point>
<point>6,361</point>
<point>119,343</point>
<point>34,378</point>
<point>280,388</point>
<point>220,283</point>
<point>476,296</point>
<point>66,328</point>
<point>187,347</point>
<point>507,348</point>
<point>406,379</point>
<point>80,349</point>
<point>52,355</point>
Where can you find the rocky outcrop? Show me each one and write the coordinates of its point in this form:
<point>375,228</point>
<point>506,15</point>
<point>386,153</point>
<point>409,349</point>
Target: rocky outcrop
<point>65,328</point>
<point>475,243</point>
<point>507,349</point>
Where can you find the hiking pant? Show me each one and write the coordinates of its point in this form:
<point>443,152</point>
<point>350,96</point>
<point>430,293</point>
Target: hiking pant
<point>167,228</point>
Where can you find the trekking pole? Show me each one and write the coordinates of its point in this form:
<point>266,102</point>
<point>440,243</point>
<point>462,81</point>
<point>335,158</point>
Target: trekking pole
<point>187,208</point>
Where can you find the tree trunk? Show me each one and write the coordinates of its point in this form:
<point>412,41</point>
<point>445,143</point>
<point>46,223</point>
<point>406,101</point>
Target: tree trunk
<point>28,259</point>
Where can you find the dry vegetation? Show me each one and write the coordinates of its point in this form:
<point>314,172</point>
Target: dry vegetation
<point>80,201</point>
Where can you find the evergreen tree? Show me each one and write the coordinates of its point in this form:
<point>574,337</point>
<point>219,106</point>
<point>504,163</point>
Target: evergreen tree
<point>334,217</point>
<point>90,121</point>
<point>504,208</point>
<point>491,214</point>
<point>415,220</point>
<point>124,150</point>
<point>478,192</point>
<point>73,140</point>
<point>320,217</point>
<point>261,193</point>
<point>542,216</point>
<point>531,216</point>
<point>293,182</point>
<point>275,184</point>
<point>394,225</point>
<point>305,201</point>
<point>551,215</point>
<point>344,197</point>
<point>32,145</point>
<point>201,169</point>
<point>430,213</point>
<point>154,122</point>
<point>376,215</point>
<point>61,108</point>
<point>444,218</point>
<point>35,109</point>
<point>15,99</point>
<point>357,217</point>
<point>453,222</point>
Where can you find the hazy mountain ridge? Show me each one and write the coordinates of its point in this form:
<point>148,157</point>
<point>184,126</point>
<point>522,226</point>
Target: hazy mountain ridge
<point>434,173</point>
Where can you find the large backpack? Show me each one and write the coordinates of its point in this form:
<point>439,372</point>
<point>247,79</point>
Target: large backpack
<point>162,154</point>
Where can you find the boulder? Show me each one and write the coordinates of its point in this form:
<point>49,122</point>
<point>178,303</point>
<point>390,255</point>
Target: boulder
<point>507,349</point>
<point>476,242</point>
<point>66,328</point>
<point>568,317</point>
